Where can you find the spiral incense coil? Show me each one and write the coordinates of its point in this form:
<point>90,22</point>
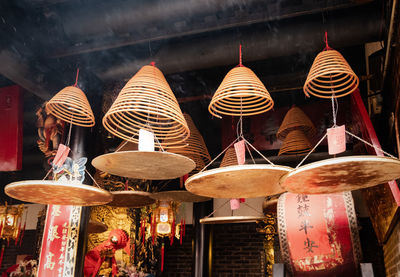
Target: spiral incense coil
<point>295,143</point>
<point>71,105</point>
<point>200,164</point>
<point>240,93</point>
<point>229,158</point>
<point>147,102</point>
<point>330,75</point>
<point>296,119</point>
<point>194,145</point>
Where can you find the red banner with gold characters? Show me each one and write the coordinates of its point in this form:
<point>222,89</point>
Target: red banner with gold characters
<point>318,234</point>
<point>60,241</point>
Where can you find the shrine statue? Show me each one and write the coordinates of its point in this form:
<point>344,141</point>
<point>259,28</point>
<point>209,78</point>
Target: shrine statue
<point>105,252</point>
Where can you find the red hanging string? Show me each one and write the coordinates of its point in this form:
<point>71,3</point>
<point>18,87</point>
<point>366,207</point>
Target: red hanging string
<point>153,63</point>
<point>181,233</point>
<point>1,228</point>
<point>240,55</point>
<point>126,185</point>
<point>184,227</point>
<point>18,233</point>
<point>1,255</point>
<point>76,79</point>
<point>326,42</point>
<point>172,232</point>
<point>22,235</point>
<point>162,257</point>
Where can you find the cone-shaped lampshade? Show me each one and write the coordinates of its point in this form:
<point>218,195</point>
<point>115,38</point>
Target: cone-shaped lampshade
<point>295,143</point>
<point>147,102</point>
<point>71,105</point>
<point>330,74</point>
<point>240,93</point>
<point>194,145</point>
<point>296,119</point>
<point>229,158</point>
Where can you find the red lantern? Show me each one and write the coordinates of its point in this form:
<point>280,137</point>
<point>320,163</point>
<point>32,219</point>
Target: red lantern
<point>318,234</point>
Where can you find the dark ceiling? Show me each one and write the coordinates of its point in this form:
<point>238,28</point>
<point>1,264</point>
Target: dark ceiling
<point>194,42</point>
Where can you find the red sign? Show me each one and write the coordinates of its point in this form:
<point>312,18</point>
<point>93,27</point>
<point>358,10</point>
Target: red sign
<point>318,234</point>
<point>60,241</point>
<point>11,123</point>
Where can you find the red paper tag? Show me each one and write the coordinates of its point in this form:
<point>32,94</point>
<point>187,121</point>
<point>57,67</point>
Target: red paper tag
<point>240,152</point>
<point>235,204</point>
<point>336,140</point>
<point>61,155</point>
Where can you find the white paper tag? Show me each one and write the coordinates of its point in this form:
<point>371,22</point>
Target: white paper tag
<point>146,140</point>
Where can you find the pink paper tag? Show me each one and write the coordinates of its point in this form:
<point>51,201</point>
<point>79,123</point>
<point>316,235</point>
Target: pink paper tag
<point>146,140</point>
<point>61,155</point>
<point>240,152</point>
<point>336,140</point>
<point>235,204</point>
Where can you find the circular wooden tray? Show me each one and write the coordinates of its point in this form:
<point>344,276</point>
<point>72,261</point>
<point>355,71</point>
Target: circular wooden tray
<point>231,219</point>
<point>131,199</point>
<point>144,165</point>
<point>341,174</point>
<point>179,195</point>
<point>57,193</point>
<point>95,227</point>
<point>238,181</point>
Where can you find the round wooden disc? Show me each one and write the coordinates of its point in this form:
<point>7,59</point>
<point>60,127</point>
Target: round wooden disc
<point>341,174</point>
<point>95,227</point>
<point>238,181</point>
<point>179,195</point>
<point>57,193</point>
<point>231,219</point>
<point>131,199</point>
<point>144,165</point>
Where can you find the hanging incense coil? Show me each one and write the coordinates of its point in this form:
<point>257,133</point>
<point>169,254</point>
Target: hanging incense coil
<point>295,143</point>
<point>194,145</point>
<point>71,105</point>
<point>330,75</point>
<point>200,164</point>
<point>229,158</point>
<point>147,102</point>
<point>240,93</point>
<point>296,119</point>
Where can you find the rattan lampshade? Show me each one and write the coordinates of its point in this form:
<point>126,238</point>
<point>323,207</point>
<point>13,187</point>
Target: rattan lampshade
<point>330,74</point>
<point>147,102</point>
<point>295,143</point>
<point>194,145</point>
<point>71,105</point>
<point>229,158</point>
<point>296,119</point>
<point>240,93</point>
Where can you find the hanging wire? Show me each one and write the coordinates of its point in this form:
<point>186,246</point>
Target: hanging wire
<point>312,150</point>
<point>91,177</point>
<point>213,212</point>
<point>371,145</point>
<point>219,155</point>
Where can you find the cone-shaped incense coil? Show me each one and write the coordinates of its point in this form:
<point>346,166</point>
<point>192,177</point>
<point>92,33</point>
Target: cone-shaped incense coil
<point>71,105</point>
<point>194,145</point>
<point>240,93</point>
<point>330,74</point>
<point>147,102</point>
<point>200,164</point>
<point>296,119</point>
<point>295,143</point>
<point>229,158</point>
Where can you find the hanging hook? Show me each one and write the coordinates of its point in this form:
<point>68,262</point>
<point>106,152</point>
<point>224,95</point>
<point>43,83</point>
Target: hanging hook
<point>76,78</point>
<point>240,55</point>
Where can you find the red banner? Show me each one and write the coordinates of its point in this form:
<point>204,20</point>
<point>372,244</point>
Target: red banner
<point>60,241</point>
<point>318,234</point>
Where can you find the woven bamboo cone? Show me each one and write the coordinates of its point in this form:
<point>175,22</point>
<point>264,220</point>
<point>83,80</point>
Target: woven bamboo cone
<point>147,102</point>
<point>295,143</point>
<point>296,119</point>
<point>71,105</point>
<point>330,74</point>
<point>240,93</point>
<point>194,145</point>
<point>229,158</point>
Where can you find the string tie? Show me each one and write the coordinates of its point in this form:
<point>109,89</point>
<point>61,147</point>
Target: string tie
<point>327,47</point>
<point>76,78</point>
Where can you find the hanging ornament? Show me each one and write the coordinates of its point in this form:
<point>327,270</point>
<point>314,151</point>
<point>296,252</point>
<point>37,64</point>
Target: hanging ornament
<point>330,74</point>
